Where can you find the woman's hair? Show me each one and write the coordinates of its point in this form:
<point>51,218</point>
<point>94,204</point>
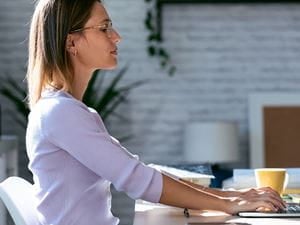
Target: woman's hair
<point>48,61</point>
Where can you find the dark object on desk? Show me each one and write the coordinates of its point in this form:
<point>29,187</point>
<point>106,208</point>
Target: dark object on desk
<point>220,175</point>
<point>218,223</point>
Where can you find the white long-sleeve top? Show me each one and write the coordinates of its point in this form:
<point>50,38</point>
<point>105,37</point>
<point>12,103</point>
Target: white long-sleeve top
<point>74,160</point>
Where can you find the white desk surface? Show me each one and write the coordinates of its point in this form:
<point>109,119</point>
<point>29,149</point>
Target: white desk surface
<point>156,214</point>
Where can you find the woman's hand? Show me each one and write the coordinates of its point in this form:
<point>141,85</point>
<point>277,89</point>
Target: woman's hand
<point>260,199</point>
<point>250,192</point>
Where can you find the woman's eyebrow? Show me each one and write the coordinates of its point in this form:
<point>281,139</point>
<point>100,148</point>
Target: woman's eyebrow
<point>105,20</point>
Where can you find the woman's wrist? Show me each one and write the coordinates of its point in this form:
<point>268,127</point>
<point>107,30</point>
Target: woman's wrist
<point>223,204</point>
<point>227,204</point>
<point>231,194</point>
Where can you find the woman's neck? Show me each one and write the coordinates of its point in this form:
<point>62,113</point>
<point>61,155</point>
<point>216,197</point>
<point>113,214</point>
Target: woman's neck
<point>80,82</point>
<point>78,89</point>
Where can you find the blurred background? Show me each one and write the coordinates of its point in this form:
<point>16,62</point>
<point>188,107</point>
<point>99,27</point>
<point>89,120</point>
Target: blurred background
<point>223,53</point>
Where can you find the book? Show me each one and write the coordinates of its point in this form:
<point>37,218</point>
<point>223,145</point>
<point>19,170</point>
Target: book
<point>198,174</point>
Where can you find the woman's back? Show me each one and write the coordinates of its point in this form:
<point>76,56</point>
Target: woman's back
<point>68,192</point>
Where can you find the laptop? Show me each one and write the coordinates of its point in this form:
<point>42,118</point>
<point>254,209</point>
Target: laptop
<point>292,210</point>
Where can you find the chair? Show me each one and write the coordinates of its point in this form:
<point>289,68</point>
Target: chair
<point>17,195</point>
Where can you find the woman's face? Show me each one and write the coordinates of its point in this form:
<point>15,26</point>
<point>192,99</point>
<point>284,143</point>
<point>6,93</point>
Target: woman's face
<point>96,43</point>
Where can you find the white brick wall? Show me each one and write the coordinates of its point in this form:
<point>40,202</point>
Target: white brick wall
<point>222,52</point>
<point>14,17</point>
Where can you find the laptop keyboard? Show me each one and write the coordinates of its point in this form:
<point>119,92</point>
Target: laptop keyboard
<point>292,208</point>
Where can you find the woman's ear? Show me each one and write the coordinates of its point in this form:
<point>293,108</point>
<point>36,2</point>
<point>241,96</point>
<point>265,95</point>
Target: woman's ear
<point>70,44</point>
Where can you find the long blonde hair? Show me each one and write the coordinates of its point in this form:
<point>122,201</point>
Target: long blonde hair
<point>48,60</point>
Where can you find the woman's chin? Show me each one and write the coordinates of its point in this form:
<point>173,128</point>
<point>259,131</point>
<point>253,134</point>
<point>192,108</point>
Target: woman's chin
<point>109,66</point>
<point>113,65</point>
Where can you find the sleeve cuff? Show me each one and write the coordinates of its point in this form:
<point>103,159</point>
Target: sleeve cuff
<point>155,190</point>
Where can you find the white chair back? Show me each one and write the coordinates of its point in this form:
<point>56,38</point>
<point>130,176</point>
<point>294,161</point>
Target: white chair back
<point>17,196</point>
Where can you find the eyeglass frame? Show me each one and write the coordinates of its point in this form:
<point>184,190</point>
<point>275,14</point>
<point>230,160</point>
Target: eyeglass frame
<point>108,26</point>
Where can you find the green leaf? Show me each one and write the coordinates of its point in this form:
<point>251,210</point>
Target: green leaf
<point>151,50</point>
<point>149,15</point>
<point>19,89</point>
<point>148,22</point>
<point>111,92</point>
<point>154,37</point>
<point>163,63</point>
<point>18,102</point>
<point>163,53</point>
<point>126,138</point>
<point>159,38</point>
<point>91,92</point>
<point>111,97</point>
<point>110,110</point>
<point>16,94</point>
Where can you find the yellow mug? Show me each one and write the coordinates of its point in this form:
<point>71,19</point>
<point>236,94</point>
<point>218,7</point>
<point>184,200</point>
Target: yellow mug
<point>275,178</point>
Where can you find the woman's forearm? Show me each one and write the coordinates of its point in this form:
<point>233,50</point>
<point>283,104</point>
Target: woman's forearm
<point>180,194</point>
<point>188,195</point>
<point>206,189</point>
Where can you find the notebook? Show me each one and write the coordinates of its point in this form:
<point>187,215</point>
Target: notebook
<point>292,210</point>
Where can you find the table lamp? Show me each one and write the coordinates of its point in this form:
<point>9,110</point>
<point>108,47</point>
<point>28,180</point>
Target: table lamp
<point>211,142</point>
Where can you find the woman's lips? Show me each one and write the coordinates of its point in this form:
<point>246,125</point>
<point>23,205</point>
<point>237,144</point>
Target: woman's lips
<point>115,52</point>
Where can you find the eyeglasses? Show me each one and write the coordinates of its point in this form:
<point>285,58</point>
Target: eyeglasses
<point>105,28</point>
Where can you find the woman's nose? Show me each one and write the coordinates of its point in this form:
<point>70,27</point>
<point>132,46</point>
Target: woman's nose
<point>116,36</point>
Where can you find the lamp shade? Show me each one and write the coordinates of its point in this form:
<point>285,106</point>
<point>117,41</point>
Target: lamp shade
<point>211,142</point>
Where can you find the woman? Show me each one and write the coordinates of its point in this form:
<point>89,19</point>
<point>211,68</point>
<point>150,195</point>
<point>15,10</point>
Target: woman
<point>72,157</point>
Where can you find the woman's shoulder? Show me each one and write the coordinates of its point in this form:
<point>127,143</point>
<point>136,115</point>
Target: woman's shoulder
<point>58,104</point>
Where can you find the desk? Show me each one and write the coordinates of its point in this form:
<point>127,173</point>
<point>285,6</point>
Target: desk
<point>156,214</point>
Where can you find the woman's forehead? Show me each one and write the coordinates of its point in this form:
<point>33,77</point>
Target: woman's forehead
<point>98,14</point>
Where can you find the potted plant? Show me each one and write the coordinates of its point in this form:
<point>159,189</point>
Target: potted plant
<point>105,101</point>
